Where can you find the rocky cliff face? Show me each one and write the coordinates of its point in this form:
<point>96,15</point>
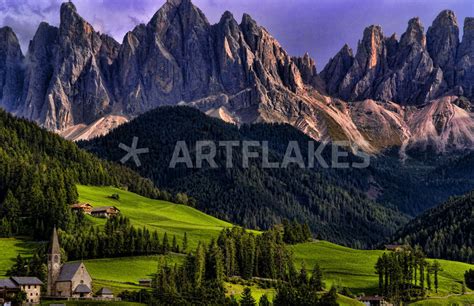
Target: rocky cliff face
<point>412,71</point>
<point>73,76</point>
<point>11,70</point>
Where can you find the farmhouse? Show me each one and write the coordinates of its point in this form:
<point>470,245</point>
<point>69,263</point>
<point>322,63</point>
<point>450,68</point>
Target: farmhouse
<point>373,301</point>
<point>395,247</point>
<point>84,207</point>
<point>9,287</point>
<point>105,212</point>
<point>69,279</point>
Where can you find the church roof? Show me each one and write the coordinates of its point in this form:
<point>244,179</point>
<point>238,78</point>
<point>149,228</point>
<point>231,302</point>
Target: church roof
<point>68,271</point>
<point>81,288</point>
<point>54,248</point>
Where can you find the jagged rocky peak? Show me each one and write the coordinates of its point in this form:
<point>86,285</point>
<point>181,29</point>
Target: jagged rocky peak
<point>443,42</point>
<point>307,67</point>
<point>11,71</point>
<point>335,70</point>
<point>415,34</point>
<point>465,61</point>
<point>178,13</point>
<point>369,64</point>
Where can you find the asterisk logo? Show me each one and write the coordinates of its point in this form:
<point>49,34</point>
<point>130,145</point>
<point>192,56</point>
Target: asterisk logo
<point>132,152</point>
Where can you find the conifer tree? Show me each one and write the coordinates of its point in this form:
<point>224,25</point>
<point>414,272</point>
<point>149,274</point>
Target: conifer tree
<point>247,298</point>
<point>185,242</point>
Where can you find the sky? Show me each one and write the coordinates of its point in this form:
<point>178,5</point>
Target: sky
<point>319,27</point>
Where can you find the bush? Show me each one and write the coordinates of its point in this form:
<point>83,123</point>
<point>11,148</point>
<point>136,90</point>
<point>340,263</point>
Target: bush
<point>115,196</point>
<point>469,278</point>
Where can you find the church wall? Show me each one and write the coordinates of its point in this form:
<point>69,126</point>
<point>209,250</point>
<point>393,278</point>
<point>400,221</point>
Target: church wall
<point>63,289</point>
<point>82,277</point>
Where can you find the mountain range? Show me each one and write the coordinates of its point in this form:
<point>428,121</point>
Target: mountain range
<point>415,91</point>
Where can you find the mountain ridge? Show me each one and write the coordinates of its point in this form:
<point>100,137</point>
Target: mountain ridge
<point>75,75</point>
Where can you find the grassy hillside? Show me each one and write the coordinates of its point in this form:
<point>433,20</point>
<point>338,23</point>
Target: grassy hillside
<point>155,214</point>
<point>10,249</point>
<point>355,268</point>
<point>342,266</point>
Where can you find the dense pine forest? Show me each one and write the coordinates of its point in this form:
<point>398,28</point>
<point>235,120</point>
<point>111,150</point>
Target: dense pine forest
<point>328,200</point>
<point>38,174</point>
<point>446,231</point>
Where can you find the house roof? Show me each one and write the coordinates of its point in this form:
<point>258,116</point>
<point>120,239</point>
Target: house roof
<point>104,209</point>
<point>81,205</point>
<point>68,271</point>
<point>7,283</point>
<point>21,281</point>
<point>370,298</point>
<point>105,291</point>
<point>82,288</point>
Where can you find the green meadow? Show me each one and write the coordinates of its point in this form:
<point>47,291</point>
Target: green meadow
<point>156,215</point>
<point>10,248</point>
<point>343,267</point>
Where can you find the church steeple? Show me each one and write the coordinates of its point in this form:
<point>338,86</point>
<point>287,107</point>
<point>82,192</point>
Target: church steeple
<point>54,247</point>
<point>54,263</point>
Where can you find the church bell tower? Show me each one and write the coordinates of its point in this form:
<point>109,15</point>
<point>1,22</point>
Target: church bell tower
<point>54,263</point>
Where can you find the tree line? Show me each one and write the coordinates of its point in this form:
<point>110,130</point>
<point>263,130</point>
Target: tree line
<point>200,279</point>
<point>406,275</point>
<point>118,238</point>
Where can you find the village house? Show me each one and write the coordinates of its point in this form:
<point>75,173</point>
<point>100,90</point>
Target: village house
<point>9,287</point>
<point>373,301</point>
<point>69,280</point>
<point>105,293</point>
<point>105,212</point>
<point>395,247</point>
<point>86,208</point>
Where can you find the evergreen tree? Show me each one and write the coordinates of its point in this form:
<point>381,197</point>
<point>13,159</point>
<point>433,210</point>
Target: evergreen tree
<point>436,269</point>
<point>247,298</point>
<point>185,242</point>
<point>316,280</point>
<point>165,245</point>
<point>264,301</point>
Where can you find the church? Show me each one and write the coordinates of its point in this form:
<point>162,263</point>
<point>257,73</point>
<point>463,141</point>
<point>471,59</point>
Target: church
<point>69,279</point>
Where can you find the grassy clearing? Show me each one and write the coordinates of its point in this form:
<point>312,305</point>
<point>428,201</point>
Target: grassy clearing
<point>452,300</point>
<point>10,249</point>
<point>257,292</point>
<point>156,215</point>
<point>123,273</point>
<point>354,269</point>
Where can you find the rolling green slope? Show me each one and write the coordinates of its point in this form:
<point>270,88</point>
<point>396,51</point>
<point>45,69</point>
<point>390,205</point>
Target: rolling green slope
<point>10,248</point>
<point>354,269</point>
<point>342,266</point>
<point>157,215</point>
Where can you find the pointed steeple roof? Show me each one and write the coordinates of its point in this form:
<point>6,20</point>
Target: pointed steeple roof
<point>54,248</point>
